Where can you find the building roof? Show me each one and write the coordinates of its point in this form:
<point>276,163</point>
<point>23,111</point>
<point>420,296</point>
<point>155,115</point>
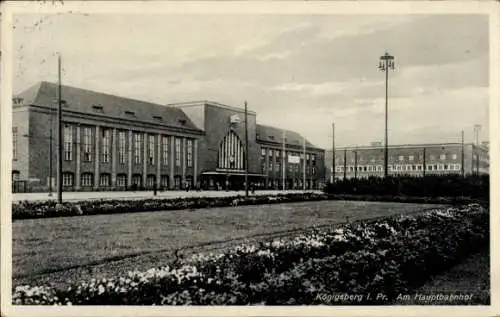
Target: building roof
<point>210,103</point>
<point>87,101</point>
<point>399,146</point>
<point>274,135</point>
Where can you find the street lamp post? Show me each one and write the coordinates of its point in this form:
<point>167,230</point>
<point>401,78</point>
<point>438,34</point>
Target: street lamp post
<point>50,153</point>
<point>59,138</point>
<point>386,63</point>
<point>246,150</point>
<point>477,129</point>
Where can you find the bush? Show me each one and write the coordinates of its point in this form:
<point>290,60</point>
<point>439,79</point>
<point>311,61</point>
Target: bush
<point>429,186</point>
<point>34,209</point>
<point>388,256</point>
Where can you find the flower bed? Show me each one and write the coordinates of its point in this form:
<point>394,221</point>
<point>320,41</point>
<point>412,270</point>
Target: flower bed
<point>27,209</point>
<point>388,256</point>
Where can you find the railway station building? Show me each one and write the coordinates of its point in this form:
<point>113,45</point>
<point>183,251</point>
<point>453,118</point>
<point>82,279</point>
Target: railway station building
<point>117,143</point>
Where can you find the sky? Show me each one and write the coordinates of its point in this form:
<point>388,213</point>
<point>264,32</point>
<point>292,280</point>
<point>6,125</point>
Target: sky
<point>299,72</point>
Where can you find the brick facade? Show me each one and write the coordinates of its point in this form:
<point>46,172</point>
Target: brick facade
<point>408,160</point>
<point>191,134</point>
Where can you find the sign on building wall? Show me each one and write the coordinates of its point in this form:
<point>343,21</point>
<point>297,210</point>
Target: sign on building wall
<point>293,159</point>
<point>235,119</point>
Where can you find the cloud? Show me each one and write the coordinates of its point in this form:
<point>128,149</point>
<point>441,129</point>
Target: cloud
<point>297,71</point>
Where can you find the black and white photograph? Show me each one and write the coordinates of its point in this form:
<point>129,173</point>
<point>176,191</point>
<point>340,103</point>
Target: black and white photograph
<point>248,154</point>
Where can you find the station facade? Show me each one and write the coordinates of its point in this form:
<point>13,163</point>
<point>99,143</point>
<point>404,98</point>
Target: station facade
<point>116,143</point>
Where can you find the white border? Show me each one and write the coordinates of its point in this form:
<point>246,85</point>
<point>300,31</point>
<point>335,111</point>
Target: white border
<point>248,7</point>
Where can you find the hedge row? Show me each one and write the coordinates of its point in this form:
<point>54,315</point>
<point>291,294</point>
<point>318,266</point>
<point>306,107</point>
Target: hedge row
<point>33,209</point>
<point>428,186</point>
<point>386,256</point>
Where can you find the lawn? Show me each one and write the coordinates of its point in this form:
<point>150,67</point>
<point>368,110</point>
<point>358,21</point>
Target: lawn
<point>74,248</point>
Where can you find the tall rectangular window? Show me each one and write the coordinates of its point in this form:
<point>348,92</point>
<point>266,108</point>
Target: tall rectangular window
<point>151,149</point>
<point>106,138</point>
<point>87,144</point>
<point>121,147</point>
<point>67,179</point>
<point>189,153</point>
<point>164,144</point>
<point>137,148</point>
<point>68,142</point>
<point>177,152</point>
<point>14,143</point>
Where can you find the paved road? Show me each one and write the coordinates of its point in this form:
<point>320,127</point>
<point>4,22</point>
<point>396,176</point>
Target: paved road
<point>74,196</point>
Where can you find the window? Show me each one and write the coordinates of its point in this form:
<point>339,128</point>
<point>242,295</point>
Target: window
<point>151,181</point>
<point>68,142</point>
<point>401,158</point>
<point>121,147</point>
<point>158,118</point>
<point>137,148</point>
<point>314,170</point>
<point>442,157</point>
<point>454,156</point>
<point>97,109</point>
<point>263,166</point>
<point>67,179</point>
<point>189,153</point>
<point>270,152</point>
<point>164,181</point>
<point>121,180</point>
<point>164,144</point>
<point>270,166</point>
<point>137,179</point>
<point>177,182</point>
<point>177,152</point>
<point>365,168</point>
<point>307,156</point>
<point>16,175</point>
<point>419,167</point>
<point>87,179</point>
<point>414,167</point>
<point>445,166</point>
<point>104,180</point>
<point>130,113</point>
<point>87,144</point>
<point>14,143</point>
<point>411,157</point>
<point>263,152</point>
<point>151,149</point>
<point>106,138</point>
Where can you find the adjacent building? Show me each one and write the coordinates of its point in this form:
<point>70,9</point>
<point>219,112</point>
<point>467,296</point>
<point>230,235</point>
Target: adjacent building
<point>116,143</point>
<point>413,159</point>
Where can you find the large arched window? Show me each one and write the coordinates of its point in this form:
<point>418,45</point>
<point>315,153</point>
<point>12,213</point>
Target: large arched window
<point>231,153</point>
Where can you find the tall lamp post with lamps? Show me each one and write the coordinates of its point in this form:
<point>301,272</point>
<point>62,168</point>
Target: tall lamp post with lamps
<point>386,63</point>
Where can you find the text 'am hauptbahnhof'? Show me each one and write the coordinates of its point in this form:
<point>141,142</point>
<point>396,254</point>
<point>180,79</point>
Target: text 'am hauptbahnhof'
<point>116,143</point>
